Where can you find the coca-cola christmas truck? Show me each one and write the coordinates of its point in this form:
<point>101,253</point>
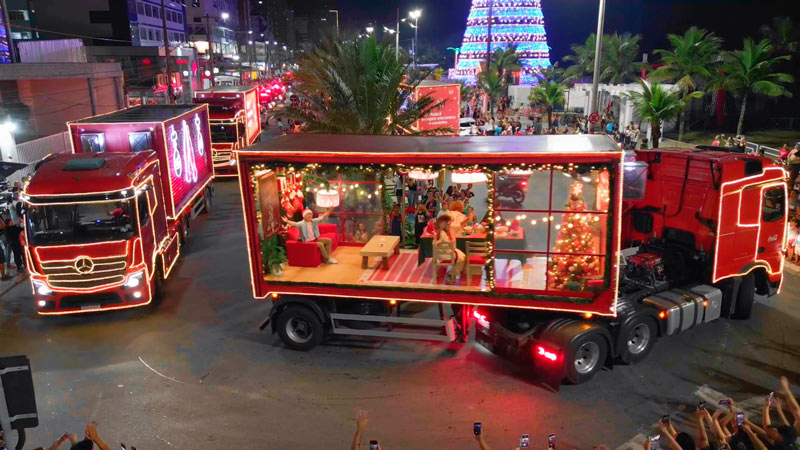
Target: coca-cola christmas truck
<point>235,123</point>
<point>604,255</point>
<point>447,112</point>
<point>105,226</point>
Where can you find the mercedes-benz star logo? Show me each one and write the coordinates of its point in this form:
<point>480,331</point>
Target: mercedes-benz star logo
<point>84,265</point>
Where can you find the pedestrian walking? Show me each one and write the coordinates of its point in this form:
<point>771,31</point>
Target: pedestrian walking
<point>12,233</point>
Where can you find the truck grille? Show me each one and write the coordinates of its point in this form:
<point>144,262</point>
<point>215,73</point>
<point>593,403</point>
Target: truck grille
<point>85,273</point>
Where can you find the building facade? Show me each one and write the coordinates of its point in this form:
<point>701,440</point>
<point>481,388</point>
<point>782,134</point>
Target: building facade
<point>147,18</point>
<point>221,19</point>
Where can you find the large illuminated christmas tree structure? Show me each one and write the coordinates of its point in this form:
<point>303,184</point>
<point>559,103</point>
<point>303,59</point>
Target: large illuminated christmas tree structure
<point>571,271</point>
<point>518,22</point>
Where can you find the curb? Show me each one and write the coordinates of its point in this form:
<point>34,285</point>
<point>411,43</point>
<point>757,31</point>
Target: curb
<point>11,286</point>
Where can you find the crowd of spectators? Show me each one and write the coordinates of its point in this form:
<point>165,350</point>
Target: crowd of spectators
<point>727,427</point>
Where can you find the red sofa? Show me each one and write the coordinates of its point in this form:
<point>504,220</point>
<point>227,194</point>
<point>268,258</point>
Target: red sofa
<point>306,254</point>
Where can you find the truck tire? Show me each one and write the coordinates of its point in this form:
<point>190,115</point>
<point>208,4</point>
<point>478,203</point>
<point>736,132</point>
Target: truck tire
<point>158,285</point>
<point>299,328</point>
<point>585,358</point>
<point>745,298</point>
<point>640,337</point>
<point>207,201</point>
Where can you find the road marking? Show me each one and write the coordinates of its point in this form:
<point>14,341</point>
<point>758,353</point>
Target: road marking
<point>162,439</point>
<point>751,407</point>
<point>159,374</point>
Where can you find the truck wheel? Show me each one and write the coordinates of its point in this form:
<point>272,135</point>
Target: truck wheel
<point>745,298</point>
<point>207,201</point>
<point>517,197</point>
<point>158,285</point>
<point>585,358</point>
<point>299,328</point>
<point>640,337</point>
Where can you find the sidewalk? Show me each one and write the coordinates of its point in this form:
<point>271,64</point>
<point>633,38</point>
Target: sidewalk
<point>7,285</point>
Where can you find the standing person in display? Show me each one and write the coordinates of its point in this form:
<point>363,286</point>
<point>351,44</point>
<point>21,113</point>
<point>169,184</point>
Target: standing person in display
<point>309,232</point>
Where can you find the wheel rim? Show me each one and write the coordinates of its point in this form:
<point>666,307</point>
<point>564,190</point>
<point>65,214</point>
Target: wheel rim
<point>639,339</point>
<point>587,357</point>
<point>299,330</point>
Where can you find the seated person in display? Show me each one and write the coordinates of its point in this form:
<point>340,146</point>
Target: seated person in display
<point>457,217</point>
<point>361,235</point>
<point>472,218</point>
<point>444,235</point>
<point>309,232</point>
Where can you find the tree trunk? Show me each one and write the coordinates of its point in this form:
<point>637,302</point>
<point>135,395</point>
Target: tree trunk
<point>740,127</point>
<point>549,120</point>
<point>656,132</point>
<point>681,125</point>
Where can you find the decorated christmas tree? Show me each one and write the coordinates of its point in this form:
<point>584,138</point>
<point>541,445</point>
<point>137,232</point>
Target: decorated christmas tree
<point>572,271</point>
<point>518,22</point>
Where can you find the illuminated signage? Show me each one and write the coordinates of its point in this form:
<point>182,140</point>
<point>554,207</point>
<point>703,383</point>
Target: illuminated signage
<point>186,152</point>
<point>251,115</point>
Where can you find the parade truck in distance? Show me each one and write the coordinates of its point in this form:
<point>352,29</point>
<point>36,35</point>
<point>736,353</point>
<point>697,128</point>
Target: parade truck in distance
<point>104,226</point>
<point>235,123</point>
<point>607,252</point>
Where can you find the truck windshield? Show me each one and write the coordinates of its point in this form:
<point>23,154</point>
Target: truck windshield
<point>80,223</point>
<point>223,133</point>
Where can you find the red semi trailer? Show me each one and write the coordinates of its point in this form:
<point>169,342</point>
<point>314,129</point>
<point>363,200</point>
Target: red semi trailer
<point>601,257</point>
<point>235,123</point>
<point>104,226</point>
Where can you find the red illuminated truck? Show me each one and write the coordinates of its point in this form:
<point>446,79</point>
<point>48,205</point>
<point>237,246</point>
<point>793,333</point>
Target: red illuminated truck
<point>104,226</point>
<point>605,253</point>
<point>235,123</point>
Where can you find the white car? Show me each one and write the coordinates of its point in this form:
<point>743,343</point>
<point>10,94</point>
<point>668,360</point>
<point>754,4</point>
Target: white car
<point>464,125</point>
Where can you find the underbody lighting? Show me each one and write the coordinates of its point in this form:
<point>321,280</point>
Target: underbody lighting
<point>547,354</point>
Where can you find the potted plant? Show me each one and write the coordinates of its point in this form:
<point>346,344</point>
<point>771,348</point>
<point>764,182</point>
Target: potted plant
<point>274,256</point>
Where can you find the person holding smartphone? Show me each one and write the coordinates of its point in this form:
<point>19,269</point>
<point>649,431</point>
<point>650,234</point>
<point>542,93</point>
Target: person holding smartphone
<point>477,430</point>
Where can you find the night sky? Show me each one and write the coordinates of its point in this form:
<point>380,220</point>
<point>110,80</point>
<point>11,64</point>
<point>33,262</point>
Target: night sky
<point>570,21</point>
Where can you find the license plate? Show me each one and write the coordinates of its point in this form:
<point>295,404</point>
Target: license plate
<point>90,306</point>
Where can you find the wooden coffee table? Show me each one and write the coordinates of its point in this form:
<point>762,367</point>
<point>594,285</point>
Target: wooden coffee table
<point>382,246</point>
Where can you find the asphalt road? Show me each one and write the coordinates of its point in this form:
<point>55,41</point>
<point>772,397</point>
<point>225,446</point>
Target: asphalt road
<point>196,372</point>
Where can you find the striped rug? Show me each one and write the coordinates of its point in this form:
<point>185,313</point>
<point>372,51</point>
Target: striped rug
<point>403,269</point>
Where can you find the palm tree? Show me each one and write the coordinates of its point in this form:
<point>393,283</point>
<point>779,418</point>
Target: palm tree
<point>549,94</point>
<point>751,71</point>
<point>506,62</point>
<point>782,35</point>
<point>657,105</point>
<point>690,60</point>
<point>620,52</point>
<point>582,59</point>
<point>355,88</point>
<point>493,85</point>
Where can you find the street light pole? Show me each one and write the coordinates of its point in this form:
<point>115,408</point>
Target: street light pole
<point>210,49</point>
<point>170,91</point>
<point>598,54</point>
<point>397,38</point>
<point>489,36</point>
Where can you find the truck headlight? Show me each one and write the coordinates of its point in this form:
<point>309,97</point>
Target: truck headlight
<point>134,279</point>
<point>41,288</point>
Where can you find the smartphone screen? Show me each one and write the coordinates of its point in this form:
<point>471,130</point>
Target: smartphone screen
<point>476,428</point>
<point>551,441</point>
<point>725,401</point>
<point>740,419</point>
<point>701,405</point>
<point>654,442</point>
<point>524,441</point>
<point>665,419</point>
<point>771,398</point>
<point>373,445</point>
